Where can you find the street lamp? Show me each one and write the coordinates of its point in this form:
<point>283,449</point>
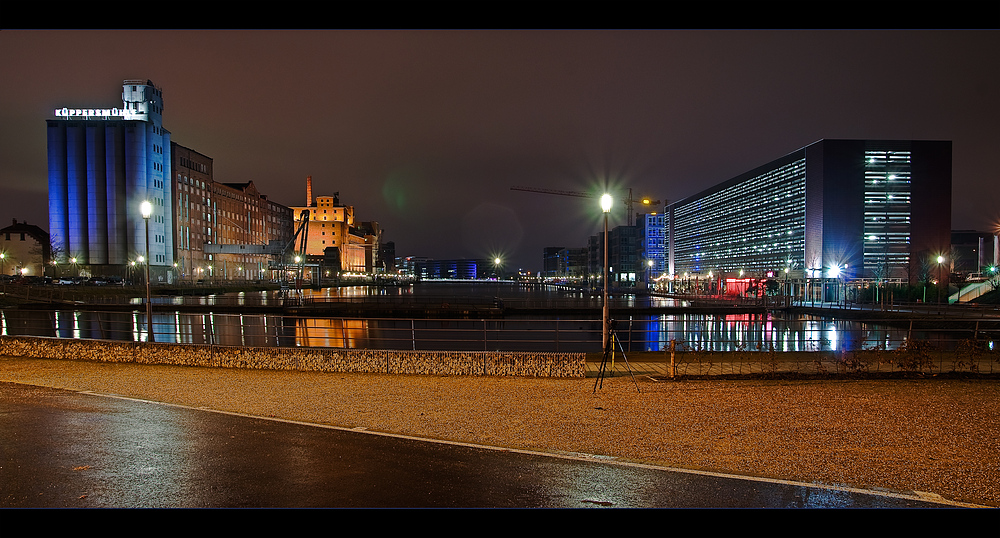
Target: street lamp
<point>606,202</point>
<point>147,209</point>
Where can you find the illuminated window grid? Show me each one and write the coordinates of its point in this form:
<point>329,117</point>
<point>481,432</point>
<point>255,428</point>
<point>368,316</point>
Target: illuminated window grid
<point>756,226</point>
<point>887,211</point>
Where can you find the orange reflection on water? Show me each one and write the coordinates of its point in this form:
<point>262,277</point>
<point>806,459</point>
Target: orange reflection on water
<point>331,332</point>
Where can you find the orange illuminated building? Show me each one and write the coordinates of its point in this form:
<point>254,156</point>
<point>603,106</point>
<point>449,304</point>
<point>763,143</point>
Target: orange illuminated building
<point>331,225</point>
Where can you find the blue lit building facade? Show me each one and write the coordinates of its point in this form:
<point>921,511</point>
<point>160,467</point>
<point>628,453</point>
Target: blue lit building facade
<point>425,268</point>
<point>847,209</point>
<point>103,163</point>
<point>653,243</point>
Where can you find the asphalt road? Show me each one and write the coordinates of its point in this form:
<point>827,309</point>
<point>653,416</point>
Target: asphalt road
<point>68,449</point>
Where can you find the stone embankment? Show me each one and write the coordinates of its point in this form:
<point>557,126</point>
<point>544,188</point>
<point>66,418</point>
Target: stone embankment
<point>376,361</point>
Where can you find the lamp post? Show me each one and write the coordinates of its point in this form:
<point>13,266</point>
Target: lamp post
<point>649,275</point>
<point>606,202</point>
<point>147,209</point>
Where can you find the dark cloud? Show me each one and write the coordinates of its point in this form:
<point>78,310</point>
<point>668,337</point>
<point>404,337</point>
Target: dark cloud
<point>426,131</point>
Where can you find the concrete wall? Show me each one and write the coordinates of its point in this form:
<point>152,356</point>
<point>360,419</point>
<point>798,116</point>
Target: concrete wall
<point>488,363</point>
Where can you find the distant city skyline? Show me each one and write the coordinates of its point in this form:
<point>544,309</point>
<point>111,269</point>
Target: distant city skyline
<point>426,131</point>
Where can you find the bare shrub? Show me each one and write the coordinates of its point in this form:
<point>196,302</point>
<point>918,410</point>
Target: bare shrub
<point>913,356</point>
<point>968,353</point>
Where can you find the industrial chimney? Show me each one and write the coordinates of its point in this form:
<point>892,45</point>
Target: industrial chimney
<point>309,191</point>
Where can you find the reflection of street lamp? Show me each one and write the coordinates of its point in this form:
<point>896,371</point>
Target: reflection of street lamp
<point>784,289</point>
<point>606,202</point>
<point>496,271</point>
<point>940,261</point>
<point>147,209</point>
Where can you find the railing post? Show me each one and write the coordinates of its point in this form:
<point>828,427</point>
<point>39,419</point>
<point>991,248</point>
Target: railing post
<point>673,367</point>
<point>557,335</point>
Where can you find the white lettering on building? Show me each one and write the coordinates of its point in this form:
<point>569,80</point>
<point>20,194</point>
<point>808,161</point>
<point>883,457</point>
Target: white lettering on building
<point>88,112</point>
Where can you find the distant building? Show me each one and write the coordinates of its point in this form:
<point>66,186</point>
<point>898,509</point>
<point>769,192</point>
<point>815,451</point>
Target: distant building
<point>244,216</point>
<point>103,163</point>
<point>25,250</point>
<point>855,209</point>
<point>232,216</point>
<point>652,229</point>
<point>194,226</point>
<point>550,261</point>
<point>331,224</point>
<point>387,259</point>
<point>372,234</point>
<point>625,269</point>
<point>453,269</point>
<point>572,262</point>
<point>563,262</point>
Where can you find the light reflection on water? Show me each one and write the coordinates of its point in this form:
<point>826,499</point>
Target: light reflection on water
<point>764,332</point>
<point>640,333</point>
<point>542,333</point>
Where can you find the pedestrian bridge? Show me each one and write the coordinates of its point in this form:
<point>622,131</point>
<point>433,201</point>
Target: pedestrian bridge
<point>970,292</point>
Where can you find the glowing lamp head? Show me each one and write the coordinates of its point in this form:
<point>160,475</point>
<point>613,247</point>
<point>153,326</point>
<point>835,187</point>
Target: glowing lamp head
<point>146,208</point>
<point>606,202</point>
<point>940,259</point>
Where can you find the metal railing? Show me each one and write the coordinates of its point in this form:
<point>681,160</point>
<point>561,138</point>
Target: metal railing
<point>717,333</point>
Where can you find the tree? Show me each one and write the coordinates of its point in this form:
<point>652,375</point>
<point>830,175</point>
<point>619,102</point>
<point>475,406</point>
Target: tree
<point>772,287</point>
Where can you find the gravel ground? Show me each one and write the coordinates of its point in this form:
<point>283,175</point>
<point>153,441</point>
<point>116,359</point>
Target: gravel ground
<point>940,436</point>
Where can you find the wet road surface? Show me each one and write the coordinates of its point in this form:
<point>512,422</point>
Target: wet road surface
<point>69,449</point>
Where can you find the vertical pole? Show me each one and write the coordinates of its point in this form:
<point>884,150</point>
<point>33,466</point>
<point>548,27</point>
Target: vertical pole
<point>606,309</point>
<point>673,367</point>
<point>149,306</point>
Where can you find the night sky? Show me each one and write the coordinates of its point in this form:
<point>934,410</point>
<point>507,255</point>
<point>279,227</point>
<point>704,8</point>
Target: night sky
<point>426,131</point>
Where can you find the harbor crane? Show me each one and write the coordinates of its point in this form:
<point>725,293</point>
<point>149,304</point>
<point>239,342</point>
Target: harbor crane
<point>645,201</point>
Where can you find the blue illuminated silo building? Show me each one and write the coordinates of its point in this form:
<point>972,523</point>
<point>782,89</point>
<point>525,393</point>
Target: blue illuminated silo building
<point>103,162</point>
<point>858,210</point>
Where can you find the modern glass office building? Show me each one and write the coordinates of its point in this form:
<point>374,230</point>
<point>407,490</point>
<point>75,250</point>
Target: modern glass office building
<point>834,209</point>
